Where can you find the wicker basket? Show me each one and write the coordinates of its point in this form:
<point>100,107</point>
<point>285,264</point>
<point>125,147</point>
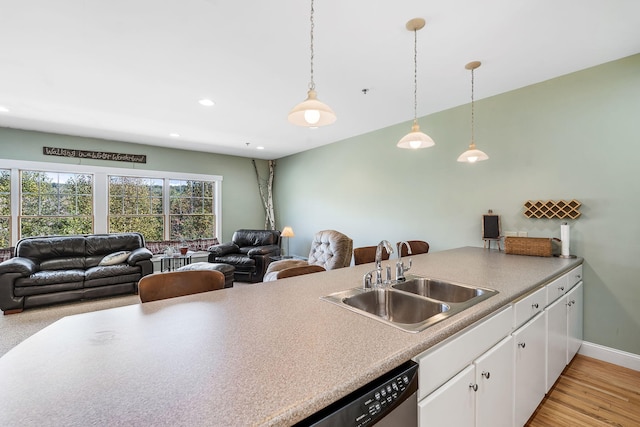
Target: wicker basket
<point>536,246</point>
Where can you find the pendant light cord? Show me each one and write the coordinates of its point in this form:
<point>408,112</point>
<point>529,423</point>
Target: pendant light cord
<point>472,109</point>
<point>312,85</point>
<point>415,75</point>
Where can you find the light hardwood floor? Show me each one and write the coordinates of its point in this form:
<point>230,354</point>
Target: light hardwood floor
<point>591,393</point>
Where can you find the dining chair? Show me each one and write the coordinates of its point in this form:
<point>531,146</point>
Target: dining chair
<point>178,283</point>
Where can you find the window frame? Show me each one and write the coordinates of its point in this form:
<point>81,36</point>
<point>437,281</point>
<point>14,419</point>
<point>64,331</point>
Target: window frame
<point>101,188</point>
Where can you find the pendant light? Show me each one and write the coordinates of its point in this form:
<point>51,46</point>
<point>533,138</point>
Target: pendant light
<point>415,139</point>
<point>311,112</point>
<point>472,155</point>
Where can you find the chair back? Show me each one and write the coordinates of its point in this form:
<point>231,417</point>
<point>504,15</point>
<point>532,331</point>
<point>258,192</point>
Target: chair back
<point>417,247</point>
<point>367,254</point>
<point>178,283</point>
<point>331,249</point>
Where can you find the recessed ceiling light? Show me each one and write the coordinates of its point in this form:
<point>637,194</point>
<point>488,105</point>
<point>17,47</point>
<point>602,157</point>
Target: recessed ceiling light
<point>259,148</point>
<point>206,102</point>
<point>3,109</point>
<point>174,135</point>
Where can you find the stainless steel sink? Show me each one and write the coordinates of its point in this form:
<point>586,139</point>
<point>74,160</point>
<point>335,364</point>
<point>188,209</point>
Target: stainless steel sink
<point>396,306</point>
<point>412,305</point>
<point>440,290</point>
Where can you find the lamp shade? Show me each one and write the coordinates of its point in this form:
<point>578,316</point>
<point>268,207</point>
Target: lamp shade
<point>311,112</point>
<point>287,232</point>
<point>416,139</point>
<point>472,155</point>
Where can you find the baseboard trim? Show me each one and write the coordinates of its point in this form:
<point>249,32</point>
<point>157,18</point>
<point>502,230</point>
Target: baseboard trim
<point>611,355</point>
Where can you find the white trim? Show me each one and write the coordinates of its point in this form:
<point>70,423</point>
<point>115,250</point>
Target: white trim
<point>610,355</point>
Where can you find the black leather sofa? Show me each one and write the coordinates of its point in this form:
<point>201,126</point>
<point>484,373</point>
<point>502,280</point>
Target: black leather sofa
<point>53,269</point>
<point>250,252</point>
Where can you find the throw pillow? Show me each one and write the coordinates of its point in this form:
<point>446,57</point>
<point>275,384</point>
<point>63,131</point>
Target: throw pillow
<point>115,258</point>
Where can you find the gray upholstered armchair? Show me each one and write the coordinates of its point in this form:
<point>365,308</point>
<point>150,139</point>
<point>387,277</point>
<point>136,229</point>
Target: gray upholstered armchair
<point>330,249</point>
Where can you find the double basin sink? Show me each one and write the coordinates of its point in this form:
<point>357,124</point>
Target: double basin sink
<point>412,305</point>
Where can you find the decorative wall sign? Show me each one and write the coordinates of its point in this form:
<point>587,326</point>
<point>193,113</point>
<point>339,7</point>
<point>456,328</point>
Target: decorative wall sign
<point>551,209</point>
<point>95,155</point>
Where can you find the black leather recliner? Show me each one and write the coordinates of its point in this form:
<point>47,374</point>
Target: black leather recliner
<point>250,252</point>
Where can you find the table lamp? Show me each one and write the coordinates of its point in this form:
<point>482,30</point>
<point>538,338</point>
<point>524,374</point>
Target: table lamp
<point>287,232</point>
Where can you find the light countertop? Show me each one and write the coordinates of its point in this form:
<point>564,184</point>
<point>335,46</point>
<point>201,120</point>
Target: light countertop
<point>265,354</point>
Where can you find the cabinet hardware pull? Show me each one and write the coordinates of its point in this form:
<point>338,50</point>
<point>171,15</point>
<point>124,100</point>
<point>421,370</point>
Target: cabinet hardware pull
<point>562,288</point>
<point>486,374</point>
<point>474,387</point>
<point>534,305</point>
<point>522,344</point>
<point>569,304</point>
<point>572,301</point>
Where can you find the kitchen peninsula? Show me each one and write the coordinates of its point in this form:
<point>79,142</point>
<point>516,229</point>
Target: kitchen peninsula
<point>266,354</point>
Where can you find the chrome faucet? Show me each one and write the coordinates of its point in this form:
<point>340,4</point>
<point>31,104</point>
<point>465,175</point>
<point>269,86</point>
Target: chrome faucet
<point>400,267</point>
<point>368,277</point>
<point>384,244</point>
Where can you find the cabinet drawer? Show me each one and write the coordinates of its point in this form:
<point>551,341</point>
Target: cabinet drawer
<point>574,276</point>
<point>556,289</point>
<point>442,362</point>
<point>528,306</point>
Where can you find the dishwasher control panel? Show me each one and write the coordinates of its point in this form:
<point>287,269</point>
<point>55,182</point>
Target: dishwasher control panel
<point>370,403</point>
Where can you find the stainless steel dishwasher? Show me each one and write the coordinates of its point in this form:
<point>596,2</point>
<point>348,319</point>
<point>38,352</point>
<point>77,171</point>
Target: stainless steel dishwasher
<point>389,401</point>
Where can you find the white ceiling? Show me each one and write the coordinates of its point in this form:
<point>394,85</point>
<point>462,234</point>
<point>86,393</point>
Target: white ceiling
<point>133,70</point>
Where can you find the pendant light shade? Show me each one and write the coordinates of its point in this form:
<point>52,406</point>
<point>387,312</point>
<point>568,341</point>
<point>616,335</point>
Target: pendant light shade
<point>415,139</point>
<point>472,155</point>
<point>311,112</point>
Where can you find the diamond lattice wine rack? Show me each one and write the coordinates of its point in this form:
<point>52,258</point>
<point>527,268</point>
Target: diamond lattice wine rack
<point>552,209</point>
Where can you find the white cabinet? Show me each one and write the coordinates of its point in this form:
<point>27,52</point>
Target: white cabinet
<point>480,395</point>
<point>575,306</point>
<point>494,378</point>
<point>556,320</point>
<point>563,318</point>
<point>496,372</point>
<point>529,344</point>
<point>453,404</point>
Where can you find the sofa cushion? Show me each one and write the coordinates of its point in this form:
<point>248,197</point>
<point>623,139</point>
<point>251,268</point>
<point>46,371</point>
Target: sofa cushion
<point>103,244</point>
<point>111,275</point>
<point>115,258</point>
<point>256,237</point>
<point>237,260</point>
<point>63,263</point>
<point>41,248</point>
<point>49,281</point>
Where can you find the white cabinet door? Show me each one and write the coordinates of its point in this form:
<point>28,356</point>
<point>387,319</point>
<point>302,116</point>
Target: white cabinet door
<point>556,319</point>
<point>453,404</point>
<point>575,306</point>
<point>529,343</point>
<point>494,377</point>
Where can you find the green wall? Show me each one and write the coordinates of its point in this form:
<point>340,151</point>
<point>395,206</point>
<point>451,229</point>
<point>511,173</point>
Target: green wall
<point>241,205</point>
<point>573,137</point>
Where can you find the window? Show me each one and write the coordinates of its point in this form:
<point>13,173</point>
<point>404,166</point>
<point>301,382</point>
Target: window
<point>135,204</point>
<point>39,198</point>
<point>5,208</point>
<point>191,212</point>
<point>56,203</point>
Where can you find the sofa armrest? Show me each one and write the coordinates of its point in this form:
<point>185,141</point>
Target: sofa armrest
<point>138,255</point>
<point>224,249</point>
<point>24,266</point>
<point>264,250</point>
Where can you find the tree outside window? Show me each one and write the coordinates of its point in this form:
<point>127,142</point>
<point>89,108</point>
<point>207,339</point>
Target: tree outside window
<point>55,203</point>
<point>135,204</point>
<point>191,212</point>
